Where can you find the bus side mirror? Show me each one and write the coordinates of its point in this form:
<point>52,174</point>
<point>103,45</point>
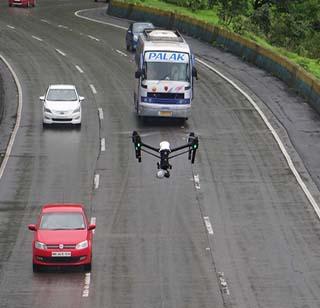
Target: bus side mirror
<point>138,74</point>
<point>194,73</point>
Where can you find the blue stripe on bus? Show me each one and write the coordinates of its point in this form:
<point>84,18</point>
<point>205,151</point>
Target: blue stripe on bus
<point>173,101</point>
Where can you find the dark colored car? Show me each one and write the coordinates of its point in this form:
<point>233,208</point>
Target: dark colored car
<point>133,32</point>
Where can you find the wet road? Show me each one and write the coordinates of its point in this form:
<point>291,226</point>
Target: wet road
<point>153,245</point>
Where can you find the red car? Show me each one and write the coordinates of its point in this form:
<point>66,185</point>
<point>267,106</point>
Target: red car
<point>25,3</point>
<point>62,237</point>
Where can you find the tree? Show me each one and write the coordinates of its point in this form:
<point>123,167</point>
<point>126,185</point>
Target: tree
<point>228,9</point>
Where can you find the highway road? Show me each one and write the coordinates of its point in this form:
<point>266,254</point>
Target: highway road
<point>234,230</point>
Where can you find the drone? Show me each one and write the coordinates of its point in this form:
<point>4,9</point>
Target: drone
<point>164,152</point>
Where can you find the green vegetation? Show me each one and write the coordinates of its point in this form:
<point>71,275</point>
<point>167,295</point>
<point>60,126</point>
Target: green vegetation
<point>288,27</point>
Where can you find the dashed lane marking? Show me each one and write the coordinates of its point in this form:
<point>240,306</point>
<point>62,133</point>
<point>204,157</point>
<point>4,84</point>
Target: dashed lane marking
<point>208,224</point>
<point>197,181</point>
<point>10,27</point>
<point>86,287</point>
<point>96,181</point>
<point>103,144</point>
<point>63,27</point>
<point>79,69</point>
<point>100,113</point>
<point>61,52</point>
<point>37,38</point>
<point>94,38</point>
<point>93,89</point>
<point>46,21</point>
<point>93,222</point>
<point>121,53</point>
<point>223,283</point>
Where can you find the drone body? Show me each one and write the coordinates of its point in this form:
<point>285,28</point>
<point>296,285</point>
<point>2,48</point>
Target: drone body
<point>164,152</point>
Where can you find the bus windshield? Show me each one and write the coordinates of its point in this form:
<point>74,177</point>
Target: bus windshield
<point>167,71</point>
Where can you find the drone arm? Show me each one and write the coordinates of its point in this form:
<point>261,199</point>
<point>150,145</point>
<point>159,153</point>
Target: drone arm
<point>150,147</point>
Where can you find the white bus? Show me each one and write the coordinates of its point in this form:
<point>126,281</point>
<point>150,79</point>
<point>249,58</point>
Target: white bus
<point>165,72</point>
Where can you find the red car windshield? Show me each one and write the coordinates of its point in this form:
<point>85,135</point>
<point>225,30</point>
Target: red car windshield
<point>62,221</point>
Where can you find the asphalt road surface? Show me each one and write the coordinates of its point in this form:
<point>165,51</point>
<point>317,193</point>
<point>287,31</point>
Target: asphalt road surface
<point>234,230</point>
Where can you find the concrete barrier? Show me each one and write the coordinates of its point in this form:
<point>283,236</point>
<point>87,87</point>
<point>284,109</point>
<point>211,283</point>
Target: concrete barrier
<point>292,74</point>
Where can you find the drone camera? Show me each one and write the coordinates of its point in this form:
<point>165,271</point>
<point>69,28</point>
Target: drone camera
<point>163,174</point>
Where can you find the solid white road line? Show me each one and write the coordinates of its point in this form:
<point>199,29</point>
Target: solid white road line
<point>208,224</point>
<point>79,68</point>
<point>262,115</point>
<point>196,181</point>
<point>11,27</point>
<point>37,38</point>
<point>121,53</point>
<point>100,111</point>
<point>96,181</point>
<point>18,119</point>
<point>275,136</point>
<point>94,38</point>
<point>103,144</point>
<point>93,89</point>
<point>98,21</point>
<point>86,287</point>
<point>61,52</point>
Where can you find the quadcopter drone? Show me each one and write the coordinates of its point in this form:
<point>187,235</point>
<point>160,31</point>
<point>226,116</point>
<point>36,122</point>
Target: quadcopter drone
<point>164,152</point>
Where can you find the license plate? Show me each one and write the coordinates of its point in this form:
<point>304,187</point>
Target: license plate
<point>165,113</point>
<point>61,254</point>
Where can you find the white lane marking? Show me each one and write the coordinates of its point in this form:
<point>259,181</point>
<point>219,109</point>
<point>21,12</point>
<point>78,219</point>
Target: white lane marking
<point>98,21</point>
<point>262,115</point>
<point>208,224</point>
<point>79,68</point>
<point>94,38</point>
<point>96,181</point>
<point>223,283</point>
<point>121,53</point>
<point>100,111</point>
<point>37,38</point>
<point>18,119</point>
<point>63,27</point>
<point>46,21</point>
<point>197,181</point>
<point>93,222</point>
<point>86,287</point>
<point>11,27</point>
<point>275,136</point>
<point>61,52</point>
<point>93,89</point>
<point>103,144</point>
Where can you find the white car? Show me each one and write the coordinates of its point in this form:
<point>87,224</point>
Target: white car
<point>61,105</point>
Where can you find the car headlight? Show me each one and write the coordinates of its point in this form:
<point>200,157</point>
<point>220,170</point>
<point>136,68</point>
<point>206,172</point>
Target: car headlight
<point>76,110</point>
<point>40,245</point>
<point>47,110</point>
<point>82,245</point>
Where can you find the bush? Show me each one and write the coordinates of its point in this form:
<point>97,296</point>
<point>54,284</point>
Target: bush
<point>192,4</point>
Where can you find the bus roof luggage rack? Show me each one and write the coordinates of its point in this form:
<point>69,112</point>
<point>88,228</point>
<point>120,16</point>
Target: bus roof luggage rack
<point>159,34</point>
